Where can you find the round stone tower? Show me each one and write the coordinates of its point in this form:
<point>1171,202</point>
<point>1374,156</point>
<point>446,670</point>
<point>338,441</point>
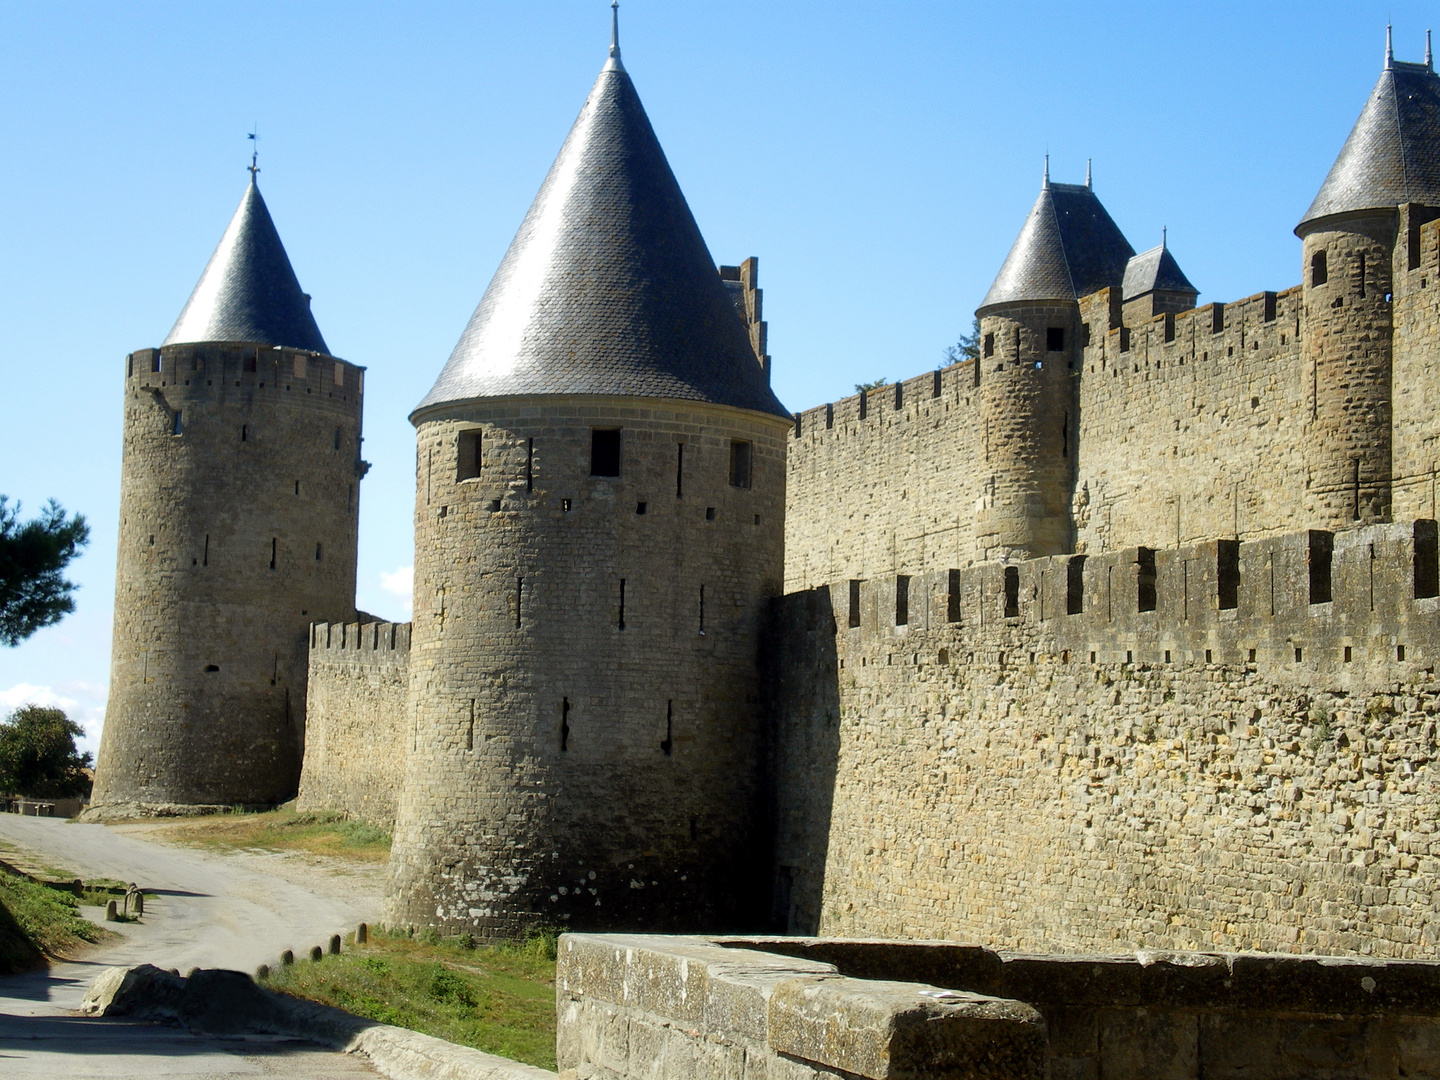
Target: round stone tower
<point>1349,238</point>
<point>599,528</point>
<point>238,508</point>
<point>1030,350</point>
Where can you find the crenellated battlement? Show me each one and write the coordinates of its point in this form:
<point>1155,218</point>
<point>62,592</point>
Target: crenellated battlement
<point>212,368</point>
<point>376,640</point>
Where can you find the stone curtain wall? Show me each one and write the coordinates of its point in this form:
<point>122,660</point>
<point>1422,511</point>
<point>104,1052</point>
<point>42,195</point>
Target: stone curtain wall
<point>358,719</point>
<point>1414,388</point>
<point>1256,777</point>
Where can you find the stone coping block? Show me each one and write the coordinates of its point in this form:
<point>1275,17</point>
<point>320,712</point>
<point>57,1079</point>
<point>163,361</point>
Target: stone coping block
<point>800,1008</point>
<point>1273,983</point>
<point>229,1002</point>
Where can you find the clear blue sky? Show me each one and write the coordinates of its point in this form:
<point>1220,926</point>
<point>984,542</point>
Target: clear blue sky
<point>878,158</point>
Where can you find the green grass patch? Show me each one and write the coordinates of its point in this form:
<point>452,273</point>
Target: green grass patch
<point>318,832</point>
<point>37,921</point>
<point>496,998</point>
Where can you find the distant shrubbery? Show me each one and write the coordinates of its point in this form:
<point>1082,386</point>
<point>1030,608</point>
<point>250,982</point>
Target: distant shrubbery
<point>38,757</point>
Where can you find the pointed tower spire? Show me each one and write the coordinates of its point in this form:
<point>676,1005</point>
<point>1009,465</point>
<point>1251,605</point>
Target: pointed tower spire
<point>1389,49</point>
<point>1088,182</point>
<point>1045,180</point>
<point>249,291</point>
<point>614,64</point>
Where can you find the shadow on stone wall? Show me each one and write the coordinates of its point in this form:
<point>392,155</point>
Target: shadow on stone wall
<point>802,678</point>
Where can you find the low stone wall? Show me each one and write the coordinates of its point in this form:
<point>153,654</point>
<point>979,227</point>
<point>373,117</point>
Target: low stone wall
<point>357,719</point>
<point>658,1007</point>
<point>652,1007</point>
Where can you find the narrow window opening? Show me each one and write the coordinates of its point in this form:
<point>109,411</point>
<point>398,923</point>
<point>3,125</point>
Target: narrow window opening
<point>1209,656</point>
<point>337,438</point>
<point>1360,274</point>
<point>952,597</point>
<point>989,345</point>
<point>1322,551</point>
<point>206,557</point>
<point>1012,592</point>
<point>829,416</point>
<point>702,610</point>
<point>1227,573</point>
<point>1129,656</point>
<point>1065,437</point>
<point>1055,339</point>
<point>668,744</point>
<point>1145,579</point>
<point>680,471</point>
<point>519,598</point>
<point>864,403</point>
<point>297,487</point>
<point>564,724</point>
<point>1299,654</point>
<point>1252,656</point>
<point>1217,318</point>
<point>273,542</point>
<point>1170,329</point>
<point>1075,585</point>
<point>1167,656</point>
<point>1400,653</point>
<point>902,600</point>
<point>709,513</point>
<point>1319,269</point>
<point>1349,655</point>
<point>1084,337</point>
<point>529,466</point>
<point>935,385</point>
<point>244,432</point>
<point>740,460</point>
<point>470,728</point>
<point>899,395</point>
<point>798,426</point>
<point>1124,341</point>
<point>1427,559</point>
<point>565,505</point>
<point>469,454</point>
<point>212,667</point>
<point>854,615</point>
<point>641,507</point>
<point>176,427</point>
<point>317,552</point>
<point>757,519</point>
<point>155,361</point>
<point>605,452</point>
<point>622,604</point>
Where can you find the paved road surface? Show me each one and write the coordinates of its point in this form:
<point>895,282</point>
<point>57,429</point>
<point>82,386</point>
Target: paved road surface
<point>234,911</point>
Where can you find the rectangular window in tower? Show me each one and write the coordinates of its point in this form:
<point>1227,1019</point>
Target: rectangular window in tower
<point>1360,274</point>
<point>1055,339</point>
<point>668,743</point>
<point>934,386</point>
<point>244,432</point>
<point>250,363</point>
<point>680,470</point>
<point>829,416</point>
<point>989,346</point>
<point>1145,579</point>
<point>702,610</point>
<point>564,724</point>
<point>1217,318</point>
<point>899,395</point>
<point>318,552</point>
<point>1227,574</point>
<point>740,455</point>
<point>155,361</point>
<point>605,452</point>
<point>519,599</point>
<point>952,597</point>
<point>902,600</point>
<point>1075,585</point>
<point>470,728</point>
<point>468,456</point>
<point>272,552</point>
<point>1319,269</point>
<point>206,557</point>
<point>1012,592</point>
<point>176,425</point>
<point>1322,552</point>
<point>621,621</point>
<point>854,616</point>
<point>1427,559</point>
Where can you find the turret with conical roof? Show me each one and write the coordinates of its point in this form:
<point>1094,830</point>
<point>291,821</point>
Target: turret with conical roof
<point>239,504</point>
<point>1025,374</point>
<point>1154,284</point>
<point>599,527</point>
<point>1391,157</point>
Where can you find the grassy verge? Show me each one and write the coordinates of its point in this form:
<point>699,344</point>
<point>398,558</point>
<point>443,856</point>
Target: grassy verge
<point>37,921</point>
<point>320,833</point>
<point>496,998</point>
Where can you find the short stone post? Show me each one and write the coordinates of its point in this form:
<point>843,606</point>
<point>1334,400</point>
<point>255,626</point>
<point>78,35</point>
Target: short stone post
<point>139,902</point>
<point>77,887</point>
<point>111,915</point>
<point>362,934</point>
<point>316,953</point>
<point>262,973</point>
<point>287,958</point>
<point>334,944</point>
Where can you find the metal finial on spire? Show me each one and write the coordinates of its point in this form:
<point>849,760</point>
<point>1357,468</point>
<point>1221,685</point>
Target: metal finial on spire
<point>1087,173</point>
<point>1429,59</point>
<point>254,137</point>
<point>1389,49</point>
<point>614,64</point>
<point>1163,238</point>
<point>1045,180</point>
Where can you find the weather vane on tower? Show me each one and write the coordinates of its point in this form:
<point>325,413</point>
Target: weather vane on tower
<point>254,138</point>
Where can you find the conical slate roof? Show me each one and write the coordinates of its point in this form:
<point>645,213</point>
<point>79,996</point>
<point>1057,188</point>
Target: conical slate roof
<point>1068,247</point>
<point>1155,271</point>
<point>1393,153</point>
<point>249,291</point>
<point>608,287</point>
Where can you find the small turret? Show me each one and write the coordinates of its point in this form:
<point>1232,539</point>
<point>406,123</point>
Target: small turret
<point>1030,347</point>
<point>238,511</point>
<point>1154,285</point>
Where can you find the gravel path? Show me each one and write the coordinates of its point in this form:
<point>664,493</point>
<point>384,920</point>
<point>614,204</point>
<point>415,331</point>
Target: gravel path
<point>234,911</point>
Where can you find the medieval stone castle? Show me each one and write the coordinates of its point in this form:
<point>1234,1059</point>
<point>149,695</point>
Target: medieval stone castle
<point>1122,633</point>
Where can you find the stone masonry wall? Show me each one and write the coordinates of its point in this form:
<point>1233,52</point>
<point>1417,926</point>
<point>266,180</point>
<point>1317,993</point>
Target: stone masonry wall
<point>358,725</point>
<point>1238,768</point>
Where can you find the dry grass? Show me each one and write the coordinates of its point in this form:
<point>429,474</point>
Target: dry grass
<point>319,833</point>
<point>496,998</point>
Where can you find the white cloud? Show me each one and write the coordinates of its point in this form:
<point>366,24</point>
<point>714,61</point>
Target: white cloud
<point>400,583</point>
<point>87,708</point>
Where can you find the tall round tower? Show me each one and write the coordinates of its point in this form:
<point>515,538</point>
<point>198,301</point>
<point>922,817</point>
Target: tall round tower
<point>1030,349</point>
<point>238,508</point>
<point>1349,237</point>
<point>599,526</point>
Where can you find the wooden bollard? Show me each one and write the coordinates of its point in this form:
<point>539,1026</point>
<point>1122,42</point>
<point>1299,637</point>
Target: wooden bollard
<point>111,915</point>
<point>334,944</point>
<point>262,973</point>
<point>287,958</point>
<point>316,953</point>
<point>362,934</point>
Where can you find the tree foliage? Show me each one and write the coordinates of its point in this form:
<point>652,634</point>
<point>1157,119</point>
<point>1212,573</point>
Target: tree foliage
<point>38,757</point>
<point>866,387</point>
<point>33,556</point>
<point>967,348</point>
